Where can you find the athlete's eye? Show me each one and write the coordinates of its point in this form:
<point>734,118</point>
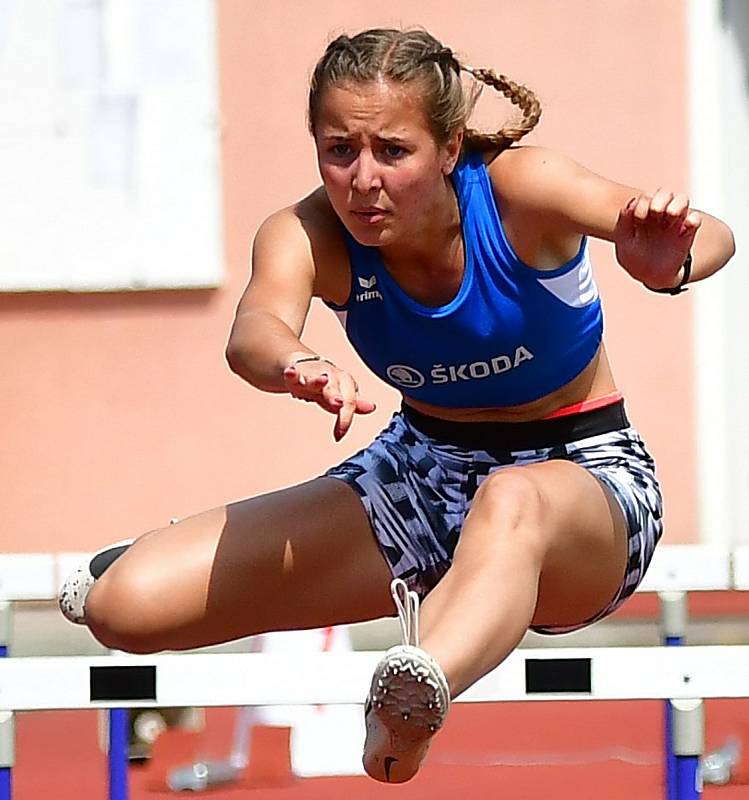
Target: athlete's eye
<point>341,150</point>
<point>394,151</point>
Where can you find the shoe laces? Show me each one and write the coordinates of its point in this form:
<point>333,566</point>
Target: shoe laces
<point>407,604</point>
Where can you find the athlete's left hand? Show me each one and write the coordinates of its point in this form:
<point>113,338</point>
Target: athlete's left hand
<point>653,236</point>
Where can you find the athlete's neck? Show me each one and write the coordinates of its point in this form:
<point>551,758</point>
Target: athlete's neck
<point>434,244</point>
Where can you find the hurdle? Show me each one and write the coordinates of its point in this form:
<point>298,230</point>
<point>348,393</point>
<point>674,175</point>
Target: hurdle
<point>684,675</point>
<point>681,676</point>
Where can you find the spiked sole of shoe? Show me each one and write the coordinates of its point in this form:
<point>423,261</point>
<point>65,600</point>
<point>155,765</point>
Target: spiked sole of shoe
<point>407,705</point>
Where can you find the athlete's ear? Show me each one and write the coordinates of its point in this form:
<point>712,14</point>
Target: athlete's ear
<point>452,152</point>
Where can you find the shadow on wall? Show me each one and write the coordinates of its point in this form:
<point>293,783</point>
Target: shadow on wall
<point>23,303</point>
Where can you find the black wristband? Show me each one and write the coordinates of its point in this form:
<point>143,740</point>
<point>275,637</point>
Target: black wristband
<point>305,358</point>
<point>681,287</point>
<point>311,358</point>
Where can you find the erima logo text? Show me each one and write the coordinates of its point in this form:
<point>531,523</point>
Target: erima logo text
<point>370,292</point>
<point>410,378</point>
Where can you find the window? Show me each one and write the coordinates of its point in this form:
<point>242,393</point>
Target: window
<point>109,145</point>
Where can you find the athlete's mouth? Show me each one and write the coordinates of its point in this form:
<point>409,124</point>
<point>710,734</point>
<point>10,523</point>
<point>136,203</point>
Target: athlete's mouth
<point>370,215</point>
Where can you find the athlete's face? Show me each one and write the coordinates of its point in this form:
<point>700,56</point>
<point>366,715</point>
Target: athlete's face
<point>381,166</point>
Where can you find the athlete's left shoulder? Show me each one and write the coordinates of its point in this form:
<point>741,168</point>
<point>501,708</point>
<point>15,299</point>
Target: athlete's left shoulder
<point>529,174</point>
<point>558,190</point>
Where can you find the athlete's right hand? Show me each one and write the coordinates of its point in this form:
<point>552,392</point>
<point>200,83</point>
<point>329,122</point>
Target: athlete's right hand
<point>333,389</point>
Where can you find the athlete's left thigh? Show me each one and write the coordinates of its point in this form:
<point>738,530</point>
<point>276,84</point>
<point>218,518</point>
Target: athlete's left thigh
<point>586,555</point>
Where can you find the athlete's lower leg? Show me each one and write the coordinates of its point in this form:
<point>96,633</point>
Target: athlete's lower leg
<point>479,613</point>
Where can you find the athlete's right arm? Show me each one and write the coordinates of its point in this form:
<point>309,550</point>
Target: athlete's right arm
<point>298,254</point>
<point>264,339</point>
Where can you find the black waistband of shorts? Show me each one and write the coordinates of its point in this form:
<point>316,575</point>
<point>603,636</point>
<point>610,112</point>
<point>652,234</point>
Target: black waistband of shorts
<point>515,436</point>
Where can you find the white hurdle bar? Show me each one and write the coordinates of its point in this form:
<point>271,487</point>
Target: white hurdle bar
<point>684,675</point>
<point>251,679</point>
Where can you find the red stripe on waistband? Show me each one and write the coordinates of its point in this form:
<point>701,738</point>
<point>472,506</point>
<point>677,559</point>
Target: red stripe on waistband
<point>587,405</point>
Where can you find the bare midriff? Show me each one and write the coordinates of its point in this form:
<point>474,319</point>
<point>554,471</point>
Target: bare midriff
<point>594,382</point>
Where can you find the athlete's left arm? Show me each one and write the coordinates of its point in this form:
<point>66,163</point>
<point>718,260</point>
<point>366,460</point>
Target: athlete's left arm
<point>652,233</point>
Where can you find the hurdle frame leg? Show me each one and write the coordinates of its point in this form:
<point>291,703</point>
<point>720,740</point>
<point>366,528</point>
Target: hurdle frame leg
<point>673,629</point>
<point>689,743</point>
<point>7,753</point>
<point>7,719</point>
<point>117,758</point>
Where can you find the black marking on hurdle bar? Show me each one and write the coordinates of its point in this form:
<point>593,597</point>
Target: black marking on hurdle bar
<point>122,683</point>
<point>558,676</point>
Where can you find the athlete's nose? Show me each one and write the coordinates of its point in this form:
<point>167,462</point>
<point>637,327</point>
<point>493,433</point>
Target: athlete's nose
<point>366,175</point>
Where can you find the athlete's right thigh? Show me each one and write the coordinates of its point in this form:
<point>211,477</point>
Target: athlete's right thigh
<point>301,557</point>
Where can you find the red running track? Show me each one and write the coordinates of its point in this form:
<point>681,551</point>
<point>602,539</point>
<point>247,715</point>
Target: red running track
<point>566,751</point>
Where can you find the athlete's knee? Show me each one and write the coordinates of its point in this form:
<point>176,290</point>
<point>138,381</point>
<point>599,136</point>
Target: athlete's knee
<point>510,493</point>
<point>121,612</point>
<point>511,501</point>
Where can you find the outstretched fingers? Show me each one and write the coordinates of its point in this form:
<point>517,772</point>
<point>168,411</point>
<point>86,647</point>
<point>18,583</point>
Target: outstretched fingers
<point>671,211</point>
<point>333,389</point>
<point>626,221</point>
<point>304,387</point>
<point>653,236</point>
<point>351,404</point>
<point>690,224</point>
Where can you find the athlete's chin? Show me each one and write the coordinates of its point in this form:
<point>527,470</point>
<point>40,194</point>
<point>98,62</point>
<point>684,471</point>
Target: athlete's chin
<point>373,235</point>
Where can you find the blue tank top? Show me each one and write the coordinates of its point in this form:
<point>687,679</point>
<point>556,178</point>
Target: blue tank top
<point>512,334</point>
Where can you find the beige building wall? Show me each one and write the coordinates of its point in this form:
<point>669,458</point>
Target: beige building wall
<point>118,410</point>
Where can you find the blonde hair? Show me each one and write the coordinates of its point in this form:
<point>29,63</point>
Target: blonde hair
<point>404,56</point>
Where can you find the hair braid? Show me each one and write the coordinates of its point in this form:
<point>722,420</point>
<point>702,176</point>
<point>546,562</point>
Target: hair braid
<point>444,57</point>
<point>520,96</point>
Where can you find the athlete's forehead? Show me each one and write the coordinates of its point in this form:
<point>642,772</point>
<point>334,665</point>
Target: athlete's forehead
<point>379,109</point>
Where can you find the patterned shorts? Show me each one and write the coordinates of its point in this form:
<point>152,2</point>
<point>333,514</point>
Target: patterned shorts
<point>418,478</point>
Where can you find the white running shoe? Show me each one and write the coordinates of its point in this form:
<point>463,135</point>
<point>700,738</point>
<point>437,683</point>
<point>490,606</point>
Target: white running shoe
<point>72,594</point>
<point>407,702</point>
